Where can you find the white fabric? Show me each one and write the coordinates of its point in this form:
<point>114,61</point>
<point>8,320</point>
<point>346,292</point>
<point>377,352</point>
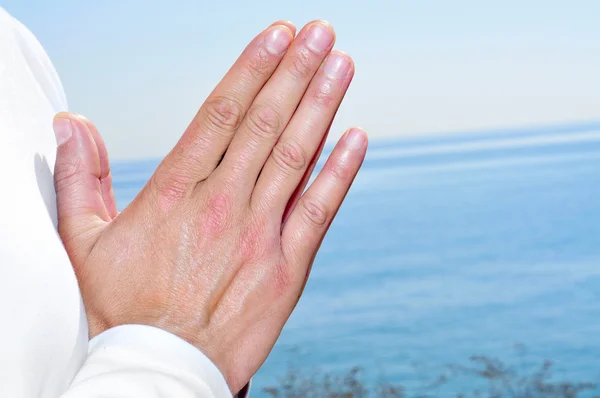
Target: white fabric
<point>43,327</point>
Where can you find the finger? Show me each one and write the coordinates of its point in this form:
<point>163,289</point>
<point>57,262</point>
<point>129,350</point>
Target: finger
<point>291,205</point>
<point>289,160</point>
<point>310,220</point>
<point>81,208</point>
<point>205,140</point>
<point>276,103</point>
<point>108,194</point>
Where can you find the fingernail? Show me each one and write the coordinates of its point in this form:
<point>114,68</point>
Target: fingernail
<point>278,40</point>
<point>319,38</point>
<point>356,139</point>
<point>63,130</point>
<point>336,66</point>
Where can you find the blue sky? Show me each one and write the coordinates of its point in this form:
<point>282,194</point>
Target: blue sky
<point>140,69</point>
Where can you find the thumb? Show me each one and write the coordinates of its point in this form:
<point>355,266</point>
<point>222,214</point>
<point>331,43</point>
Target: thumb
<point>82,210</point>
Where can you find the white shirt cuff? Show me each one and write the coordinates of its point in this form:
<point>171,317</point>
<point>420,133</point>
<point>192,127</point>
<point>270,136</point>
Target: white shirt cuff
<point>166,349</point>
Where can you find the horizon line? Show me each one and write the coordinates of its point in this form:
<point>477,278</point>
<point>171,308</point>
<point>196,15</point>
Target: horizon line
<point>449,136</point>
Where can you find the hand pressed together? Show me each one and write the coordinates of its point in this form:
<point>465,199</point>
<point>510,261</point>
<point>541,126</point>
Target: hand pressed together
<point>218,245</point>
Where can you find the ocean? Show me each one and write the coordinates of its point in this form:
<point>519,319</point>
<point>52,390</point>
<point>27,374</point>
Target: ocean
<point>449,247</point>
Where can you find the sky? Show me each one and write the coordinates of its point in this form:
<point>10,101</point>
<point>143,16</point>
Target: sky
<point>141,69</point>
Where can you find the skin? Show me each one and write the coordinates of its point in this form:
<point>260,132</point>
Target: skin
<point>217,247</point>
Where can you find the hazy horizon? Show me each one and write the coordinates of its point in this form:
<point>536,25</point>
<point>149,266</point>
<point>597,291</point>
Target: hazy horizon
<point>140,70</point>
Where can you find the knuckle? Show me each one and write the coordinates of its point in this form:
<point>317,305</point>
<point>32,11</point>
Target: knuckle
<point>259,66</point>
<point>289,156</point>
<point>170,187</point>
<point>222,114</point>
<point>263,121</point>
<point>314,212</point>
<point>67,175</point>
<point>338,170</point>
<point>301,67</point>
<point>237,170</point>
<point>189,151</point>
<point>323,96</point>
<point>217,216</point>
<point>253,241</point>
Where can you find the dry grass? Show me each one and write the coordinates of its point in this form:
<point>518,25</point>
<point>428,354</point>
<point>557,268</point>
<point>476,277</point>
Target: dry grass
<point>493,378</point>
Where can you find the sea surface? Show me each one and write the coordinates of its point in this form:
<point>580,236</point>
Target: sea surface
<point>449,247</point>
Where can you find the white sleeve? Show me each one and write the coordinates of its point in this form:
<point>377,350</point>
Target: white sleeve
<point>135,361</point>
<point>45,352</point>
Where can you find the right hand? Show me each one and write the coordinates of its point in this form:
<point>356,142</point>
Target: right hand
<point>218,245</point>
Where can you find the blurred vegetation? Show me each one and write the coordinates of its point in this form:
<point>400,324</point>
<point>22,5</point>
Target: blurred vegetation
<point>492,377</point>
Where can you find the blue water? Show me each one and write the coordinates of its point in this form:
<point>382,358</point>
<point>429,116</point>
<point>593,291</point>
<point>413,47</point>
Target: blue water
<point>448,247</point>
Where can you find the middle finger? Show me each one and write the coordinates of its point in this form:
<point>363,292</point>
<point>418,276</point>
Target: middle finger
<point>275,105</point>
